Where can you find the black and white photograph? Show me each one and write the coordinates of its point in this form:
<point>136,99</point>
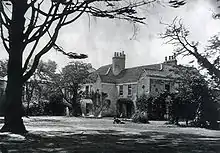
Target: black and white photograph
<point>110,76</point>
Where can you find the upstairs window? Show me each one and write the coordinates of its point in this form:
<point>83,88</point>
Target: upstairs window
<point>129,89</point>
<point>87,90</point>
<point>121,90</point>
<point>167,87</point>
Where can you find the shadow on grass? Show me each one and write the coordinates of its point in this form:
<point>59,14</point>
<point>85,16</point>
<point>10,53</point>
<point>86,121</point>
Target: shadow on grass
<point>110,141</point>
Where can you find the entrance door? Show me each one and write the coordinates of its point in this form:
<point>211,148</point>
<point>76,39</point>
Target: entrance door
<point>124,108</point>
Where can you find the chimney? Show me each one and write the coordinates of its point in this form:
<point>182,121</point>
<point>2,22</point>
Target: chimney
<point>118,63</point>
<point>172,60</point>
<point>174,55</point>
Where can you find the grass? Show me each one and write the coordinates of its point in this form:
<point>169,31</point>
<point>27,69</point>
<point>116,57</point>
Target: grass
<point>101,136</point>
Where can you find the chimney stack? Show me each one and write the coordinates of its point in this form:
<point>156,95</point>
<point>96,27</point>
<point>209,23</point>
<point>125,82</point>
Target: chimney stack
<point>118,62</point>
<point>171,60</point>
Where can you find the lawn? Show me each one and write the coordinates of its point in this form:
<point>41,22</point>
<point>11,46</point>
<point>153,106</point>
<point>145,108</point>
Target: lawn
<point>70,134</point>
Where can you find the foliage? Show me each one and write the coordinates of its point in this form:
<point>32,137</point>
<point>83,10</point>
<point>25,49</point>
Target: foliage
<point>157,106</point>
<point>45,19</point>
<point>177,3</point>
<point>40,85</point>
<point>39,108</point>
<point>74,74</point>
<point>142,103</point>
<point>193,98</point>
<point>141,114</point>
<point>25,24</point>
<point>71,79</point>
<point>56,106</point>
<point>178,35</point>
<point>101,103</point>
<point>140,117</point>
<point>3,68</point>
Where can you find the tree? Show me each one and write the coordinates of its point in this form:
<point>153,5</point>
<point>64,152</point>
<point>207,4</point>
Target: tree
<point>3,68</point>
<point>40,82</point>
<point>23,25</point>
<point>191,89</point>
<point>193,99</point>
<point>177,35</point>
<point>141,114</point>
<point>72,78</point>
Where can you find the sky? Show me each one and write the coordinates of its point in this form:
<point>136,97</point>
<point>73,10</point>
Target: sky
<point>100,38</point>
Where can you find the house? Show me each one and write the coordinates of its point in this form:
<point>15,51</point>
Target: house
<point>124,85</point>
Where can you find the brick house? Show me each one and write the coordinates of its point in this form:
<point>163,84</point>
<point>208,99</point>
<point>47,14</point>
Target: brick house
<point>124,85</point>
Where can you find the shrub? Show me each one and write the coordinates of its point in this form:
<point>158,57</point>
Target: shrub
<point>55,105</point>
<point>140,117</point>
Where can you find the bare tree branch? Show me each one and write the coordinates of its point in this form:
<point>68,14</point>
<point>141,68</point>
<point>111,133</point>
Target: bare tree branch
<point>177,35</point>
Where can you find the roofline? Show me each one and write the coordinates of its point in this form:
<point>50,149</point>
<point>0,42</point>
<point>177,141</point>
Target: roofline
<point>107,83</point>
<point>161,77</point>
<point>126,83</point>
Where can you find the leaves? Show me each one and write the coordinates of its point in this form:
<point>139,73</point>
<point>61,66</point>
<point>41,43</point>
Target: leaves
<point>177,35</point>
<point>3,68</point>
<point>177,3</point>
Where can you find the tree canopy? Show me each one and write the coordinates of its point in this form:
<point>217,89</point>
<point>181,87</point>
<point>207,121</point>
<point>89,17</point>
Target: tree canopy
<point>24,24</point>
<point>208,58</point>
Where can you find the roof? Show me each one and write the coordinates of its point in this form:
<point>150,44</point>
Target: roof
<point>128,75</point>
<point>103,70</point>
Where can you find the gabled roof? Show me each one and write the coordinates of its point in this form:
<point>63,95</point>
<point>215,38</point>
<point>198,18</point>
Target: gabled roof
<point>127,75</point>
<point>103,70</point>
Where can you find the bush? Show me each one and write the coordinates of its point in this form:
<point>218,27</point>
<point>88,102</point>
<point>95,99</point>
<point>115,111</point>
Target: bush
<point>55,106</point>
<point>37,108</point>
<point>140,117</point>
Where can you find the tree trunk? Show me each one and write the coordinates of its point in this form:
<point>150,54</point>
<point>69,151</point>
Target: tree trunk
<point>14,111</point>
<point>76,111</point>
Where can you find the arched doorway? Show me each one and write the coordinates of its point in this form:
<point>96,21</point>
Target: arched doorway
<point>125,108</point>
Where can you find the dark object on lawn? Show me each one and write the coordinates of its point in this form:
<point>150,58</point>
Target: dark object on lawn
<point>117,121</point>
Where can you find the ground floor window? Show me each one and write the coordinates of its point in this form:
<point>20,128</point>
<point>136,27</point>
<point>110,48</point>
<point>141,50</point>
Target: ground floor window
<point>167,87</point>
<point>129,90</point>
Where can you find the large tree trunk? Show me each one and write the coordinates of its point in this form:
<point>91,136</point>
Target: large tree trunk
<point>14,111</point>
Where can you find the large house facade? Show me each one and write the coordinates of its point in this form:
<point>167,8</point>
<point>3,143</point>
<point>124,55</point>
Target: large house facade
<point>124,85</point>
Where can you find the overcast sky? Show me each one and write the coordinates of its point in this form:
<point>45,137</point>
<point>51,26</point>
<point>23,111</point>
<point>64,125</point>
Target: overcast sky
<point>100,38</point>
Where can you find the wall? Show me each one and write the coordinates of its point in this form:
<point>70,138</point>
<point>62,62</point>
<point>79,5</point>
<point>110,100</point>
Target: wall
<point>157,85</point>
<point>112,92</point>
<point>143,85</point>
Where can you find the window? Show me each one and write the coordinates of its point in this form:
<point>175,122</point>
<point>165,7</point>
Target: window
<point>87,90</point>
<point>120,90</point>
<point>167,87</point>
<point>129,89</point>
